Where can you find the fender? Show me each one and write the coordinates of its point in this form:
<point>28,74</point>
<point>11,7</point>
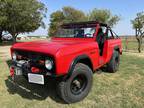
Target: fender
<point>116,48</point>
<point>75,61</point>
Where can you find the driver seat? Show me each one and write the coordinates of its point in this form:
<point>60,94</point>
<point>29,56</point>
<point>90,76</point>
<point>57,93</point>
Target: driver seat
<point>100,38</point>
<point>80,34</point>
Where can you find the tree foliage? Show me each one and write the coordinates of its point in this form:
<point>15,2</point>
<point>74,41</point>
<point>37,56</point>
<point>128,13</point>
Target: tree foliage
<point>3,18</point>
<point>72,15</point>
<point>21,16</point>
<point>104,16</point>
<point>138,25</point>
<point>56,20</point>
<point>69,14</point>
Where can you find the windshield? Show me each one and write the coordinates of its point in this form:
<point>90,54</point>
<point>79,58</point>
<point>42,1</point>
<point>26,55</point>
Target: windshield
<point>76,32</point>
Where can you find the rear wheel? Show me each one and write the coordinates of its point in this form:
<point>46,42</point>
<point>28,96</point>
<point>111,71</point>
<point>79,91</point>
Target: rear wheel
<point>113,65</point>
<point>78,85</point>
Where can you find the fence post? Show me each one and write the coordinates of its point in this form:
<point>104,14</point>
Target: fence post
<point>126,43</point>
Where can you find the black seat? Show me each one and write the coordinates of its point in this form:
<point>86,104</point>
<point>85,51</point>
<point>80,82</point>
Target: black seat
<point>79,33</point>
<point>100,40</point>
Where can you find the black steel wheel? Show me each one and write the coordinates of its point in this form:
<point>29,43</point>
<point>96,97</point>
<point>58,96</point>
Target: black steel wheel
<point>78,85</point>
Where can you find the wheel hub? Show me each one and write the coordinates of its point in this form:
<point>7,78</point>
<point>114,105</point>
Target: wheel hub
<point>78,84</point>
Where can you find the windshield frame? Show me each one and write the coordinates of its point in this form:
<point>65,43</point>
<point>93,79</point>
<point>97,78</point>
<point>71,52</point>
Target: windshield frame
<point>77,29</point>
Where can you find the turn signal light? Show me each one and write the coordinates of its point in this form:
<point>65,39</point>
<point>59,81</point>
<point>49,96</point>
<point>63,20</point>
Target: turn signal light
<point>35,70</point>
<point>11,71</point>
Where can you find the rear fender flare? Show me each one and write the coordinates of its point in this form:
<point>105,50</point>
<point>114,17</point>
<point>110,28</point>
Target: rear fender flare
<point>116,48</point>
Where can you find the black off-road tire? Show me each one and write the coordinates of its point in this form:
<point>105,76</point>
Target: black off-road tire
<point>66,87</point>
<point>113,65</point>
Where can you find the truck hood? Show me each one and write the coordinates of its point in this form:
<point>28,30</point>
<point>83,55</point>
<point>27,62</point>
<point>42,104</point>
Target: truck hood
<point>48,46</point>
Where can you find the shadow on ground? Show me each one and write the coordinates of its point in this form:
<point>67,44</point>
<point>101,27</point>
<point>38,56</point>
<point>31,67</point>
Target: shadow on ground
<point>102,70</point>
<point>32,91</point>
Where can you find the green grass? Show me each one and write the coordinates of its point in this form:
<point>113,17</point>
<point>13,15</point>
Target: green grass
<point>131,45</point>
<point>6,43</point>
<point>124,89</point>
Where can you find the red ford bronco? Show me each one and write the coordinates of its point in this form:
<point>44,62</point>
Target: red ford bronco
<point>72,56</point>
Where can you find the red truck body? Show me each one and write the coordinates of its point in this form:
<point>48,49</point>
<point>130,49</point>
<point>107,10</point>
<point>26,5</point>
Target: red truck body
<point>72,58</point>
<point>66,50</point>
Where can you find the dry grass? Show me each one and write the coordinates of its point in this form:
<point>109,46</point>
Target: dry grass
<point>141,55</point>
<point>123,89</point>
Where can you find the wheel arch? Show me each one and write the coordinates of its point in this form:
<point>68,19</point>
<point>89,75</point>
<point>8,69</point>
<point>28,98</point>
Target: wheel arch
<point>80,59</point>
<point>116,48</point>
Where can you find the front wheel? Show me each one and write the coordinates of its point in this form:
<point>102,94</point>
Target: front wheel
<point>78,85</point>
<point>113,65</point>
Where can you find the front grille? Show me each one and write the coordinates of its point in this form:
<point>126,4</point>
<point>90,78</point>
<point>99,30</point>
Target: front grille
<point>30,55</point>
<point>33,59</point>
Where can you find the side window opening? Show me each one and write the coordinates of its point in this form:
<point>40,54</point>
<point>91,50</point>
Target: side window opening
<point>114,34</point>
<point>110,35</point>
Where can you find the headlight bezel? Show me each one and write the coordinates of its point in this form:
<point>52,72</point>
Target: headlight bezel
<point>14,56</point>
<point>49,64</point>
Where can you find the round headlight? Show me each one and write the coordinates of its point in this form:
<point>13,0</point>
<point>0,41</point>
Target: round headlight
<point>14,56</point>
<point>49,64</point>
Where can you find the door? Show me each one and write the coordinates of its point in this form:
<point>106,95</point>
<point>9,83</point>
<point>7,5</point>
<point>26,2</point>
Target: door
<point>109,44</point>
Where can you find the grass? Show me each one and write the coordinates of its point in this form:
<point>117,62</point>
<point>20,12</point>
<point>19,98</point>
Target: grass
<point>124,89</point>
<point>132,44</point>
<point>6,43</point>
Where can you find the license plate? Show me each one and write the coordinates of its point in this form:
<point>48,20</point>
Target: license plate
<point>35,78</point>
<point>18,71</point>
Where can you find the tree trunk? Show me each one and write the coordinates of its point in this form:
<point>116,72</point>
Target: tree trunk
<point>139,39</point>
<point>0,36</point>
<point>14,37</point>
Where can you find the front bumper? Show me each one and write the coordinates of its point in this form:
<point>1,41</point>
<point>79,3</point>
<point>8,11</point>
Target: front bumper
<point>24,68</point>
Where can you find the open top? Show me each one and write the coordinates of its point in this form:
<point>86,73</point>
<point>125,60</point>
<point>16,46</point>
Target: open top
<point>86,29</point>
<point>85,24</point>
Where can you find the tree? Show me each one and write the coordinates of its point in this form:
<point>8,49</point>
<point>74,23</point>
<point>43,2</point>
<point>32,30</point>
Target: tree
<point>3,18</point>
<point>73,15</point>
<point>22,16</point>
<point>56,20</point>
<point>138,25</point>
<point>104,16</point>
<point>67,14</point>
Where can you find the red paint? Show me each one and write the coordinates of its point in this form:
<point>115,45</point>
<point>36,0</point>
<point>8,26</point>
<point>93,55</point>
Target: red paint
<point>65,50</point>
<point>11,71</point>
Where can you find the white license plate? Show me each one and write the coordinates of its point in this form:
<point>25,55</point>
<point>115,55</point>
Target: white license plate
<point>35,78</point>
<point>18,71</point>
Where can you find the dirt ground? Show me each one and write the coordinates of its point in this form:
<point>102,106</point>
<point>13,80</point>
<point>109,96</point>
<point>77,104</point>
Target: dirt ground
<point>5,52</point>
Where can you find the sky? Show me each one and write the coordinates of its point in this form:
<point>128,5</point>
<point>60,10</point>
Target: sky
<point>126,9</point>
